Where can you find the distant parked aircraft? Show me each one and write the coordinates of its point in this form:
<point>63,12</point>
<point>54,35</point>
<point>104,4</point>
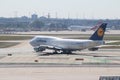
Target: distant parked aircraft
<point>84,28</point>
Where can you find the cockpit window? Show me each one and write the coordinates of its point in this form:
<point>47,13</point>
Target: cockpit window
<point>41,40</point>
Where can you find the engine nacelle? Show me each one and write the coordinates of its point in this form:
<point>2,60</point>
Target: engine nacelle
<point>93,49</point>
<point>38,49</point>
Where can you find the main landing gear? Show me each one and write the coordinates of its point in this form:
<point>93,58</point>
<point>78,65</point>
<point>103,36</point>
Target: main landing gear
<point>62,52</point>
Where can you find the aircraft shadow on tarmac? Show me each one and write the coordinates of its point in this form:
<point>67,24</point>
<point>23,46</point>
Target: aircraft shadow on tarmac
<point>48,54</point>
<point>81,54</point>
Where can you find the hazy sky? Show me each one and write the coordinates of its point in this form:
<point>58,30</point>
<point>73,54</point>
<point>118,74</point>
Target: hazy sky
<point>61,8</point>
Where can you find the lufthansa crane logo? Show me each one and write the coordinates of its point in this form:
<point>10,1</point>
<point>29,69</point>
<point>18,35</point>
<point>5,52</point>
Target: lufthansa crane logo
<point>100,32</point>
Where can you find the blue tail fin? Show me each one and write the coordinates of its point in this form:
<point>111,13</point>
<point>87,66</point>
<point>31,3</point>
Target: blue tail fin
<point>99,33</point>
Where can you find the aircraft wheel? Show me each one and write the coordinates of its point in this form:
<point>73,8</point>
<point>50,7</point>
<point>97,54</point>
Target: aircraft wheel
<point>66,52</point>
<point>55,52</point>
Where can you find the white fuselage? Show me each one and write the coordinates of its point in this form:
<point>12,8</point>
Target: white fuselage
<point>68,44</point>
<point>40,43</point>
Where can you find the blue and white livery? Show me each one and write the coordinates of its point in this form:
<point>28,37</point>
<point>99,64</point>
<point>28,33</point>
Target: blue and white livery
<point>41,43</point>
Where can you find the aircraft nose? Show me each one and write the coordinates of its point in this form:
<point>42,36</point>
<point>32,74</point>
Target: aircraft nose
<point>32,42</point>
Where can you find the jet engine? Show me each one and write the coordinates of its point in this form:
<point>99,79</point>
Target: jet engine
<point>93,49</point>
<point>39,49</point>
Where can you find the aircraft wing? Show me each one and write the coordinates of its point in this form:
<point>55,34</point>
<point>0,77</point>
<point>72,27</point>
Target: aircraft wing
<point>51,47</point>
<point>111,41</point>
<point>109,44</point>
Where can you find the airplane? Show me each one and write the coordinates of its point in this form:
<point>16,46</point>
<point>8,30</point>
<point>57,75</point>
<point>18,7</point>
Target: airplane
<point>84,28</point>
<point>96,26</point>
<point>79,28</point>
<point>67,46</point>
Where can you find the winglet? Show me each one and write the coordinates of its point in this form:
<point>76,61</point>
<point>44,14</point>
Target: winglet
<point>99,33</point>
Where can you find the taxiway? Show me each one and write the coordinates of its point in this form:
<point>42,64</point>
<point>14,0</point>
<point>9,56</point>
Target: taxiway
<point>20,62</point>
